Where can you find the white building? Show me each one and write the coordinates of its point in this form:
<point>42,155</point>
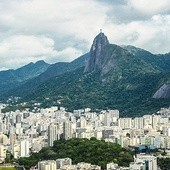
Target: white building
<point>47,165</point>
<point>147,119</point>
<point>83,122</point>
<point>67,130</point>
<point>149,161</point>
<point>125,123</point>
<point>62,162</point>
<point>54,133</point>
<point>107,119</point>
<point>138,123</point>
<point>24,148</point>
<point>140,165</point>
<point>2,153</point>
<point>155,120</point>
<point>12,139</point>
<point>112,166</point>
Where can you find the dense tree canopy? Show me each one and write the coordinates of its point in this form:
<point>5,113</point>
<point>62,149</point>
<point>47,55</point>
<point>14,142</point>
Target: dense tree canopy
<point>164,163</point>
<point>92,151</point>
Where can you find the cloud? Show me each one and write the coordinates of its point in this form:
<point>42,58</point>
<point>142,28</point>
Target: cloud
<point>62,30</point>
<point>150,7</point>
<point>62,18</point>
<point>69,54</point>
<point>152,34</point>
<point>70,24</point>
<point>21,49</point>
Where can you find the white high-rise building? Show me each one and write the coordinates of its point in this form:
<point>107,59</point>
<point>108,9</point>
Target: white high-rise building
<point>155,120</point>
<point>138,123</point>
<point>147,120</point>
<point>83,122</point>
<point>18,118</point>
<point>149,160</point>
<point>110,116</point>
<point>12,139</point>
<point>54,132</point>
<point>107,119</point>
<point>164,120</point>
<point>24,148</point>
<point>114,113</point>
<point>67,130</point>
<point>138,165</point>
<point>2,152</point>
<point>125,123</point>
<point>1,126</point>
<point>62,162</point>
<point>47,165</point>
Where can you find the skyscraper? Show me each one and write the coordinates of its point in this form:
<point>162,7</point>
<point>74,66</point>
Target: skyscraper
<point>54,132</point>
<point>107,119</point>
<point>138,123</point>
<point>24,148</point>
<point>67,130</point>
<point>12,138</point>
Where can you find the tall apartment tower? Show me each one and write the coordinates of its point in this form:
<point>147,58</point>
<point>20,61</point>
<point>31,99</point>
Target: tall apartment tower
<point>138,123</point>
<point>107,119</point>
<point>62,162</point>
<point>125,123</point>
<point>83,122</point>
<point>67,130</point>
<point>12,138</point>
<point>54,132</point>
<point>18,118</point>
<point>47,165</point>
<point>24,148</point>
<point>149,161</point>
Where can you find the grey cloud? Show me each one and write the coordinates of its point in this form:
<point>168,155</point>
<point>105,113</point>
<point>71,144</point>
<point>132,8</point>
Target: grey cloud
<point>115,2</point>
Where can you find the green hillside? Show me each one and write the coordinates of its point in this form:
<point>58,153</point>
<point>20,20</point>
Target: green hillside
<point>131,95</point>
<point>52,71</point>
<point>10,79</point>
<point>128,85</point>
<point>112,78</point>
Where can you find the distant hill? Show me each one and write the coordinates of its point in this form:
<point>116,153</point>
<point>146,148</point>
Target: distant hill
<point>12,78</point>
<point>161,61</point>
<point>62,67</point>
<point>52,71</point>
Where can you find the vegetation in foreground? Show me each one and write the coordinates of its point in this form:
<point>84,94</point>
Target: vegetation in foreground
<point>92,151</point>
<point>164,163</point>
<point>7,168</point>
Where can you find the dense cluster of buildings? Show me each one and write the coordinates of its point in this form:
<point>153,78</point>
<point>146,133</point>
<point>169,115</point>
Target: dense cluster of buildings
<point>65,164</point>
<point>24,132</point>
<point>141,162</point>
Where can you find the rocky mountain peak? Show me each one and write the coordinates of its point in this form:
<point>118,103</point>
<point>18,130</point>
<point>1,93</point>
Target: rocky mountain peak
<point>99,42</point>
<point>97,47</point>
<point>162,92</point>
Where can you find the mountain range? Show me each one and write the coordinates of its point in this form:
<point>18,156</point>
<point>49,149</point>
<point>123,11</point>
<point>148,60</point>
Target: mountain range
<point>127,78</point>
<point>13,78</point>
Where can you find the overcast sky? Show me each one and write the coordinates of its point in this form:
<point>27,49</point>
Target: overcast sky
<point>62,30</point>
